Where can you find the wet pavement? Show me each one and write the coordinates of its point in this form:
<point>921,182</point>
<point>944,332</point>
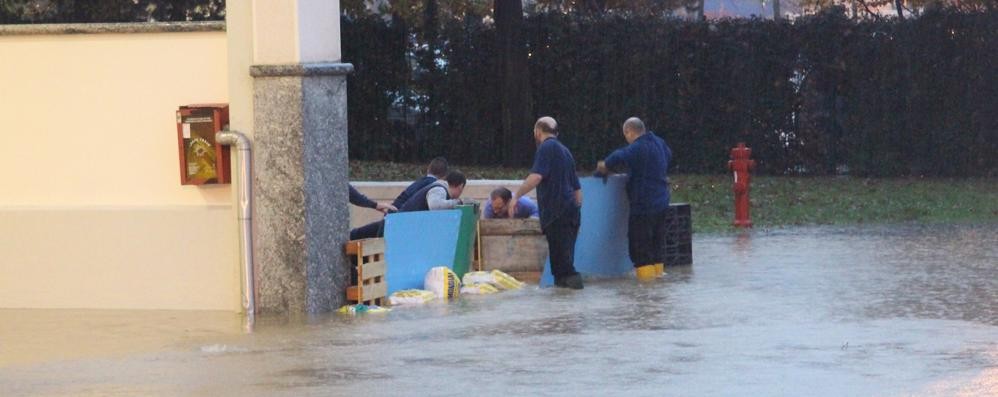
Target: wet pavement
<point>863,311</point>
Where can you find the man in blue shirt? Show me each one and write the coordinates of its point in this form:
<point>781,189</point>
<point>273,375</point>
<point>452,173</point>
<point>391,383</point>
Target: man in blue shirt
<point>646,158</point>
<point>559,196</point>
<point>496,208</point>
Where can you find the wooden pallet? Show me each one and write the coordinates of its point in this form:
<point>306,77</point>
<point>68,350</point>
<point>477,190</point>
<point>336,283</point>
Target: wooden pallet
<point>371,288</point>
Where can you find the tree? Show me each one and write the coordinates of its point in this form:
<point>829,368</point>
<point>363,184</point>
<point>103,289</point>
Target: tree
<point>877,8</point>
<point>514,76</point>
<point>596,7</point>
<point>696,7</point>
<point>89,11</point>
<point>412,11</point>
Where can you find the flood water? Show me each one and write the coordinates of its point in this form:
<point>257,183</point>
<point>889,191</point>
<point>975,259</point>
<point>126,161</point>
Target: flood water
<point>863,311</point>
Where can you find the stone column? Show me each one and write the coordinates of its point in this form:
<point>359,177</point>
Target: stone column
<point>300,156</point>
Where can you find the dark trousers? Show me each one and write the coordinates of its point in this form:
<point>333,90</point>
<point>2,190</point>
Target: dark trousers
<point>370,230</point>
<point>561,235</point>
<point>646,238</point>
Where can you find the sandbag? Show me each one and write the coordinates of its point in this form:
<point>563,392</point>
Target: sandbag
<point>410,297</point>
<point>443,282</point>
<point>496,277</point>
<point>479,289</point>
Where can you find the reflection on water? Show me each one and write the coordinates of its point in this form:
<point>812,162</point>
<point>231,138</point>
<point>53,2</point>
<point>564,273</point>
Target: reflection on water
<point>35,336</point>
<point>903,310</point>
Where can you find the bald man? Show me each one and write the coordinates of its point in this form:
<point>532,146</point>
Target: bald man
<point>646,159</point>
<point>559,197</point>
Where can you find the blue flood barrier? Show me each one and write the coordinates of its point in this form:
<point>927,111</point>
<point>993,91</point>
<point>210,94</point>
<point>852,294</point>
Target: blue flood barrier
<point>415,242</point>
<point>601,249</point>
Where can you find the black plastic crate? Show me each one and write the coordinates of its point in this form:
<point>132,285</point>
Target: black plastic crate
<point>679,235</point>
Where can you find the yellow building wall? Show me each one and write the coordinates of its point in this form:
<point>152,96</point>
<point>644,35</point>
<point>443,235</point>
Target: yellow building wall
<point>92,213</point>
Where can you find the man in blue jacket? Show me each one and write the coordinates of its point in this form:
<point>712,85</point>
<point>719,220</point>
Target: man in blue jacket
<point>646,159</point>
<point>559,196</point>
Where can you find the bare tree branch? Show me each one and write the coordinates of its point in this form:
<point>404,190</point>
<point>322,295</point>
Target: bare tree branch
<point>868,10</point>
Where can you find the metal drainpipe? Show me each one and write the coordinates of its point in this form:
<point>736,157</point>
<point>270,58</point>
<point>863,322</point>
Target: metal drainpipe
<point>242,144</point>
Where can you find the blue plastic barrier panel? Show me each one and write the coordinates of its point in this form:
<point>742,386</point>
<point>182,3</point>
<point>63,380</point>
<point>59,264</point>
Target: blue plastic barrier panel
<point>415,242</point>
<point>601,249</point>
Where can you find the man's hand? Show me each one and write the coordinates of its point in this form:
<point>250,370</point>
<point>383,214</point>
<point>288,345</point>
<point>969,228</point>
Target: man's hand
<point>511,207</point>
<point>601,168</point>
<point>578,198</point>
<point>386,208</point>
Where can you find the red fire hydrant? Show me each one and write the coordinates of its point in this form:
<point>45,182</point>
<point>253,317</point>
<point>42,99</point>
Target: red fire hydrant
<point>740,165</point>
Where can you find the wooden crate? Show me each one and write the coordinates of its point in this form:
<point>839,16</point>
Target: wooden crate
<point>515,246</point>
<point>369,256</point>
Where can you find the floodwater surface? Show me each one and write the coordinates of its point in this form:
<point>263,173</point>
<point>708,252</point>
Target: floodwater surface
<point>863,311</point>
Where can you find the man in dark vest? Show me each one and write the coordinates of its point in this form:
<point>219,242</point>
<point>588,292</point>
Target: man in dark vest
<point>559,196</point>
<point>437,170</point>
<point>443,194</point>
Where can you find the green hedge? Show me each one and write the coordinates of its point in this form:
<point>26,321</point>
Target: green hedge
<point>814,96</point>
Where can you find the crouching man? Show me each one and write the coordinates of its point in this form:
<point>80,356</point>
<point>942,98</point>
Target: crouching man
<point>496,207</point>
<point>444,194</point>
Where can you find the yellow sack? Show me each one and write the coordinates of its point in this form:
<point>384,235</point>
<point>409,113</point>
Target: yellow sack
<point>410,297</point>
<point>443,282</point>
<point>479,289</point>
<point>505,281</point>
<point>497,278</point>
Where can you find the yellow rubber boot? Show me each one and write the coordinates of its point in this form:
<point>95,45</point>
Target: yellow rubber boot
<point>660,269</point>
<point>646,273</point>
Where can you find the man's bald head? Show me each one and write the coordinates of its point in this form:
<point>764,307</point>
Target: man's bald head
<point>634,125</point>
<point>546,125</point>
<point>634,128</point>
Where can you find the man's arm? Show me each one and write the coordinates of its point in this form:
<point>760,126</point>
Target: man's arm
<point>436,199</point>
<point>614,161</point>
<point>578,189</point>
<point>359,199</point>
<point>529,184</point>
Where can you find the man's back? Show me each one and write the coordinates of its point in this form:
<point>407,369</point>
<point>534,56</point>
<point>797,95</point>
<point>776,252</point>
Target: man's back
<point>412,189</point>
<point>647,160</point>
<point>419,200</point>
<point>556,192</point>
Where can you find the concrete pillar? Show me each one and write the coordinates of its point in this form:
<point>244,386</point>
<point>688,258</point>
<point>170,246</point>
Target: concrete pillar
<point>300,155</point>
